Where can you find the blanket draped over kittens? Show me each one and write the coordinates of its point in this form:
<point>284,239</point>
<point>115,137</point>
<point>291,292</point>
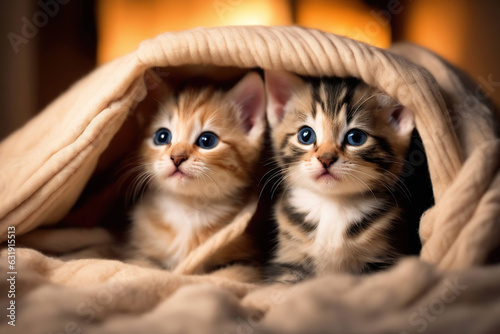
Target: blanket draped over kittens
<point>74,143</point>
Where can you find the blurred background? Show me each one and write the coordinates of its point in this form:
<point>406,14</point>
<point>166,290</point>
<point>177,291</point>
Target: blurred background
<point>49,44</point>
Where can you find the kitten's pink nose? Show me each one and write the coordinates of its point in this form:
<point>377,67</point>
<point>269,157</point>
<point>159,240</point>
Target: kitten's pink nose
<point>327,160</point>
<point>178,159</point>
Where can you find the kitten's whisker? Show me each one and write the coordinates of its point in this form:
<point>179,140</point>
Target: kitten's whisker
<point>203,177</point>
<point>276,186</point>
<point>139,184</point>
<point>395,181</point>
<point>146,184</point>
<point>215,184</point>
<point>381,182</point>
<point>364,183</point>
<point>363,102</point>
<point>130,172</point>
<point>275,175</point>
<point>164,109</point>
<point>269,161</point>
<point>405,191</point>
<point>272,170</point>
<point>359,103</point>
<point>275,171</point>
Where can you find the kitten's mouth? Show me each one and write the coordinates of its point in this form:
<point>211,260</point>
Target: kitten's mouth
<point>178,173</point>
<point>325,175</point>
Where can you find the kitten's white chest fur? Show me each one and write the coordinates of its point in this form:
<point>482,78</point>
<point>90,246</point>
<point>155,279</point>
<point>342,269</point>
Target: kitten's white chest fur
<point>186,219</point>
<point>332,217</point>
<point>190,215</point>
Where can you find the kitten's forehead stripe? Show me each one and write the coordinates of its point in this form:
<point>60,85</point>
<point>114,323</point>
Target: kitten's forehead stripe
<point>197,101</point>
<point>337,93</point>
<point>330,95</point>
<point>329,92</point>
<point>355,105</point>
<point>340,122</point>
<point>192,101</point>
<point>320,126</point>
<point>177,103</point>
<point>316,100</point>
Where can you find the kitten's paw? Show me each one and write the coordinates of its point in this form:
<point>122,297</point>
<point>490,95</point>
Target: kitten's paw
<point>239,272</point>
<point>286,273</point>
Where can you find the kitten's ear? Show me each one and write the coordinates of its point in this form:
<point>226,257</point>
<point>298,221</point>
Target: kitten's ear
<point>280,86</point>
<point>249,94</point>
<point>402,120</point>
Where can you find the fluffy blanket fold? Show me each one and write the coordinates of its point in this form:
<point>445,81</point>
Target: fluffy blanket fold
<point>451,287</point>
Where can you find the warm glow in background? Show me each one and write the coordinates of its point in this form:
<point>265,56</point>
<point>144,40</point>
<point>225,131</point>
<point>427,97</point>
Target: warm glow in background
<point>454,29</point>
<point>347,18</point>
<point>440,26</point>
<point>123,24</point>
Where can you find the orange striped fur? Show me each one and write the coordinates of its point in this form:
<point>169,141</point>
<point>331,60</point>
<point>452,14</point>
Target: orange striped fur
<point>193,190</point>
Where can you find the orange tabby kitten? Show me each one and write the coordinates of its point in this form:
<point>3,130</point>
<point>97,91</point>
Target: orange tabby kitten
<point>199,157</point>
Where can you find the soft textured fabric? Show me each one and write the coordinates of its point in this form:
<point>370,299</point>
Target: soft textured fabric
<point>47,163</point>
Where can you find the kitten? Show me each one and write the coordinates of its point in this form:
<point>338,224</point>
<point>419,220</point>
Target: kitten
<point>341,146</point>
<point>199,157</point>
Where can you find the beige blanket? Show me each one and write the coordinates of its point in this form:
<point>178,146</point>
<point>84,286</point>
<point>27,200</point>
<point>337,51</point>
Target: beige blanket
<point>452,287</point>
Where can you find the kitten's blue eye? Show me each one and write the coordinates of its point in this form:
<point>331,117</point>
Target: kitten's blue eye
<point>356,137</point>
<point>162,137</point>
<point>207,140</point>
<point>307,135</point>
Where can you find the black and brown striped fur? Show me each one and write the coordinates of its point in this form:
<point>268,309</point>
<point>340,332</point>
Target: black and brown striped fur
<point>339,202</point>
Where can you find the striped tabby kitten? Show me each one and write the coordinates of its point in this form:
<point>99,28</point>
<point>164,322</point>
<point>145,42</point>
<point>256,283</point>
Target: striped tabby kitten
<point>199,157</point>
<point>341,146</point>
